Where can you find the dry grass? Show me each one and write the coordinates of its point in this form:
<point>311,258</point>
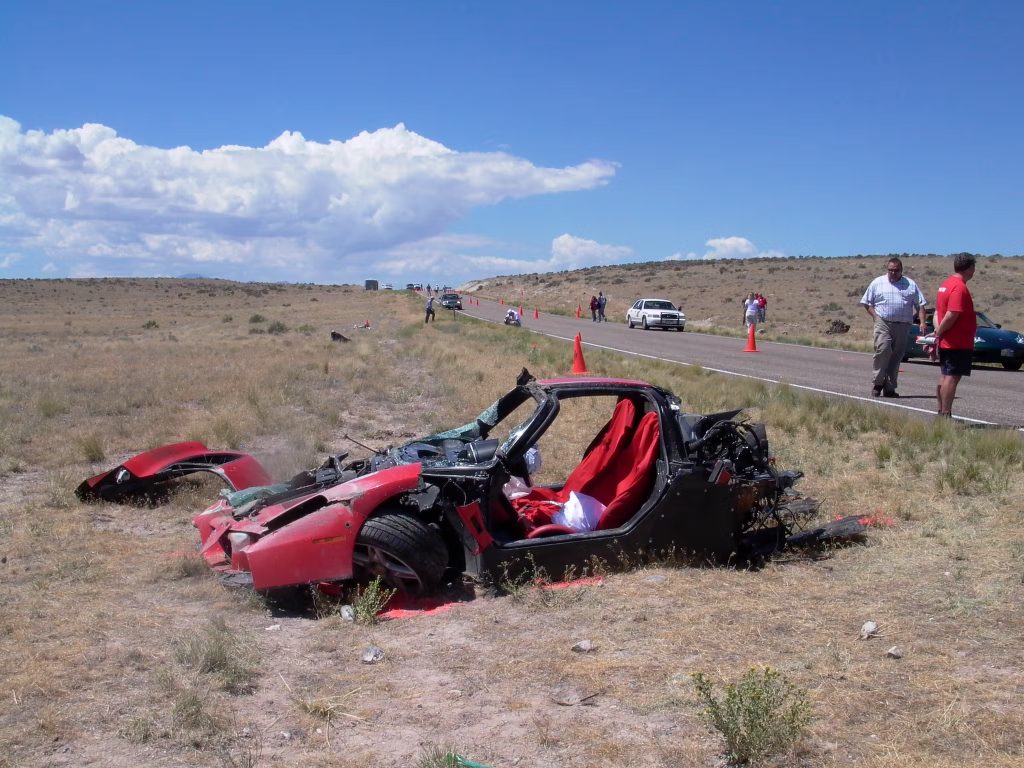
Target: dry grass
<point>99,600</point>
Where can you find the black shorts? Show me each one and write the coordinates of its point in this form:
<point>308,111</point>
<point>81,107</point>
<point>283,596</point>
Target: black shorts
<point>955,362</point>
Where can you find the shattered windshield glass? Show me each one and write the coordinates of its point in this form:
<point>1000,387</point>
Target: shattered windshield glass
<point>480,427</point>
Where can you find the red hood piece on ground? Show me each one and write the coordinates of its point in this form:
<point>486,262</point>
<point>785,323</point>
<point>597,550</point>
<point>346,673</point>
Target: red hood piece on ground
<point>144,475</point>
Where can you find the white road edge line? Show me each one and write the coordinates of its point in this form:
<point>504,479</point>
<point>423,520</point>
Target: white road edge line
<point>725,372</point>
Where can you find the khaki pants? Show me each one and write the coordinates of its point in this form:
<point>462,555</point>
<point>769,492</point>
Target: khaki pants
<point>890,344</point>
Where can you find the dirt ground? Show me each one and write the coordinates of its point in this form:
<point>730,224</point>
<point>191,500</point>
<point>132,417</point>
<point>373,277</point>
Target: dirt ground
<point>118,648</point>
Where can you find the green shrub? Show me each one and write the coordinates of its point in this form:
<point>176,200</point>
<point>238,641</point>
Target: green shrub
<point>188,566</point>
<point>138,729</point>
<point>219,652</point>
<point>49,406</point>
<point>257,318</point>
<point>228,432</point>
<point>369,601</point>
<point>91,447</point>
<point>149,324</point>
<point>763,715</point>
<point>277,327</point>
<point>436,756</point>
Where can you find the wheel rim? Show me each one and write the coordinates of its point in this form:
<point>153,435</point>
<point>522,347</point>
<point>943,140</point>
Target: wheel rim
<point>374,562</point>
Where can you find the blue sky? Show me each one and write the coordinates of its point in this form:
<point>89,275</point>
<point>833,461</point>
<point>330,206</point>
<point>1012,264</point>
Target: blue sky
<point>441,141</point>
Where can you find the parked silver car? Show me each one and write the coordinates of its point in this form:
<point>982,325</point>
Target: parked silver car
<point>655,313</point>
<point>451,301</point>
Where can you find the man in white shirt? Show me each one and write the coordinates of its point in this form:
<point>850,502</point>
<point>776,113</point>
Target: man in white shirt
<point>892,300</point>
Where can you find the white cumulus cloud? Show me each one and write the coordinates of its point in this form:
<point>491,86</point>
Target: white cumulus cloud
<point>728,248</point>
<point>483,257</point>
<point>570,252</point>
<point>94,202</point>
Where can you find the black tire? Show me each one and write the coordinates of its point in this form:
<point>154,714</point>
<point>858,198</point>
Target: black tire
<point>408,554</point>
<point>629,322</point>
<point>645,323</point>
<point>1012,365</point>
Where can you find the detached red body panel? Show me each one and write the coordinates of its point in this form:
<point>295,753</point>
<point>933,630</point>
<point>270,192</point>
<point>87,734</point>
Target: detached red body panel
<point>147,473</point>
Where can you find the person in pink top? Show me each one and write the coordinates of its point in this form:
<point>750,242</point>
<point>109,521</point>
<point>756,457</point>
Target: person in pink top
<point>955,329</point>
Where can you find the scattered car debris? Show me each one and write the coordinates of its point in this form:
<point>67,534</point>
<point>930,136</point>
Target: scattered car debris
<point>433,510</point>
<point>895,652</point>
<point>372,654</point>
<point>148,475</point>
<point>583,646</point>
<point>570,697</point>
<point>868,630</point>
<point>338,336</point>
<point>837,327</point>
<point>842,529</point>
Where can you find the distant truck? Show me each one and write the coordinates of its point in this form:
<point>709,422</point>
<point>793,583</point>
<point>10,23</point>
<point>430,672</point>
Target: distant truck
<point>371,285</point>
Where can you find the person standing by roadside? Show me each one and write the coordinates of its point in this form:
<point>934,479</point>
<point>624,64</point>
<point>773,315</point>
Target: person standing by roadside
<point>762,308</point>
<point>892,300</point>
<point>955,327</point>
<point>429,317</point>
<point>602,300</point>
<point>750,310</point>
<point>593,309</point>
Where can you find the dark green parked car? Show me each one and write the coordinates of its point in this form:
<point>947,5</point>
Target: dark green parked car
<point>992,343</point>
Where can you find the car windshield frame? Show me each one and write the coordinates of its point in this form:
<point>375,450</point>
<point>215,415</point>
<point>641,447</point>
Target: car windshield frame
<point>984,321</point>
<point>659,304</point>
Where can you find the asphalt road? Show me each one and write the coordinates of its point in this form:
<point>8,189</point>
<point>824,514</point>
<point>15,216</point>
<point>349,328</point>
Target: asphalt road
<point>991,396</point>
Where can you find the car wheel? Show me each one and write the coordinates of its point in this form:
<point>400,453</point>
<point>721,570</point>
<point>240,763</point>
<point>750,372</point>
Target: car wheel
<point>645,323</point>
<point>405,552</point>
<point>629,322</point>
<point>1012,365</point>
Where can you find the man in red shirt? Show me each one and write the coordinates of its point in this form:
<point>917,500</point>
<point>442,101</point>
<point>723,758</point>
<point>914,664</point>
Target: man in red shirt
<point>955,329</point>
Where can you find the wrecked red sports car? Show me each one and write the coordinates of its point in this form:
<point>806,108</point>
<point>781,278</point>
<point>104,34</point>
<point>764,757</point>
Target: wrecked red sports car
<point>480,502</point>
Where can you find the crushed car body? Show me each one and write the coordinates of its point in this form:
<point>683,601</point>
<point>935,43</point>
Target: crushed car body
<point>654,480</point>
<point>148,474</point>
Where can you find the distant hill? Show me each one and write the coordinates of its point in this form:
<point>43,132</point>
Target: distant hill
<point>804,294</point>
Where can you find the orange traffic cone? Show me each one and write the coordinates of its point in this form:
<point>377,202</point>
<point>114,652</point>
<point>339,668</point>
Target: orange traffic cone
<point>579,311</point>
<point>751,341</point>
<point>579,365</point>
<point>536,314</point>
<point>521,311</point>
<point>501,301</point>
